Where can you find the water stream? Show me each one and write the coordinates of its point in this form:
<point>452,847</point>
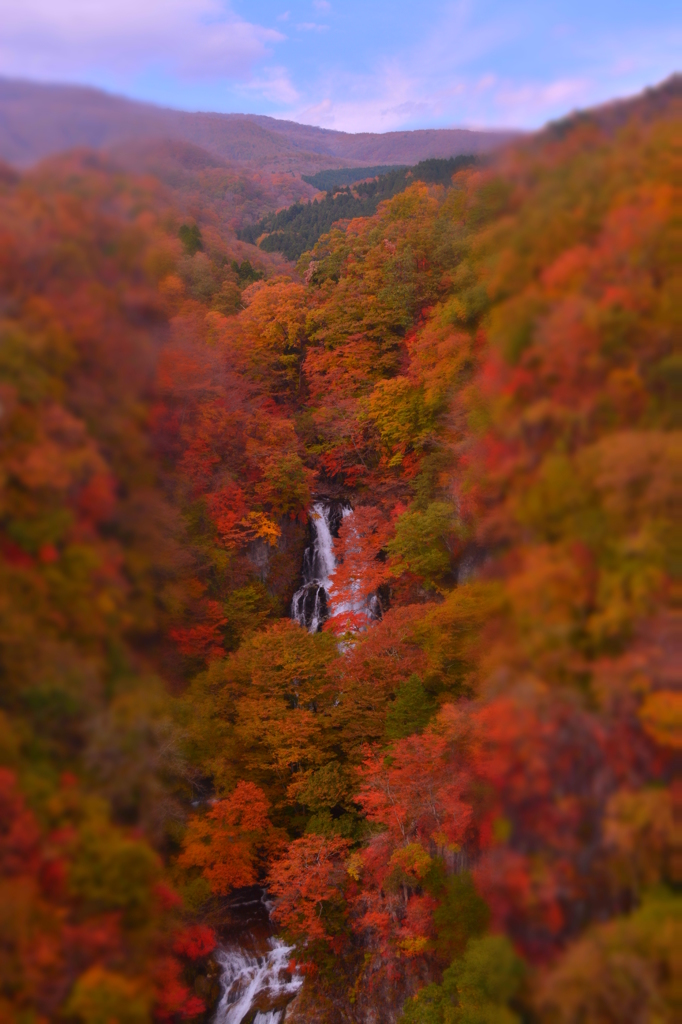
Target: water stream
<point>255,980</point>
<point>256,985</point>
<point>314,602</point>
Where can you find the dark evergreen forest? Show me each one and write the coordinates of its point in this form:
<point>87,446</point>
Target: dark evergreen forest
<point>296,230</point>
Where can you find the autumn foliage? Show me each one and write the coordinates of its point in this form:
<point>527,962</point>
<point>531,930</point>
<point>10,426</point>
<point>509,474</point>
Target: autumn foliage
<point>463,809</point>
<point>231,842</point>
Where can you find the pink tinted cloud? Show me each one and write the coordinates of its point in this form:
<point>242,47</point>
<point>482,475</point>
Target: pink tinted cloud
<point>192,38</point>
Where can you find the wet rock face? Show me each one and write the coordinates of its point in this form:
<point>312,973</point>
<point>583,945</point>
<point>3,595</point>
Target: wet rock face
<point>207,985</point>
<point>336,512</point>
<point>258,553</point>
<point>374,607</point>
<point>278,566</point>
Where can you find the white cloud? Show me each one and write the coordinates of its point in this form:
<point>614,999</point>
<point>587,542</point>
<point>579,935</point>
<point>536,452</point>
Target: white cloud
<point>463,67</point>
<point>392,101</point>
<point>275,85</point>
<point>384,102</point>
<point>191,38</point>
<point>426,84</point>
<point>461,74</point>
<point>519,103</point>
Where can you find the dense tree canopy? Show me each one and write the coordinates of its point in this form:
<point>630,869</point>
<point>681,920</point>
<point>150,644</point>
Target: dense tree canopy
<point>297,228</point>
<point>464,810</point>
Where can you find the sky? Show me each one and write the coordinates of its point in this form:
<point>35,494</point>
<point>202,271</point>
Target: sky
<point>352,65</point>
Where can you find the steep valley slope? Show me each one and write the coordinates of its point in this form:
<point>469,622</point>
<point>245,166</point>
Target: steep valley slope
<point>460,791</point>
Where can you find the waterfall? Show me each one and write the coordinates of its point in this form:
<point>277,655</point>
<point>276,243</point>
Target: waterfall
<point>311,603</point>
<point>314,602</point>
<point>255,980</point>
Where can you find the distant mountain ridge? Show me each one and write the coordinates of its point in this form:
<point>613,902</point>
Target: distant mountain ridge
<point>38,120</point>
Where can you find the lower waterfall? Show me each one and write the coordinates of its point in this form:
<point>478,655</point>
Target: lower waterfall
<point>255,979</point>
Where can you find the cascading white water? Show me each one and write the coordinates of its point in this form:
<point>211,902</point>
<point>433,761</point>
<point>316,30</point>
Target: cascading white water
<point>311,603</point>
<point>255,980</point>
<point>260,979</point>
<point>314,602</point>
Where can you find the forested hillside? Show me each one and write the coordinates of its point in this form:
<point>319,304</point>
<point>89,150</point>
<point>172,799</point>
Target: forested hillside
<point>205,188</point>
<point>296,230</point>
<point>325,180</point>
<point>463,807</point>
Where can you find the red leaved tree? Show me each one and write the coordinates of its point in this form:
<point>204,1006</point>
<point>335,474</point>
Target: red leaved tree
<point>307,883</point>
<point>231,841</point>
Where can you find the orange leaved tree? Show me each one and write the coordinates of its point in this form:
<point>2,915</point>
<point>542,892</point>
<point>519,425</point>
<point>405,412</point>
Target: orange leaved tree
<point>230,842</point>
